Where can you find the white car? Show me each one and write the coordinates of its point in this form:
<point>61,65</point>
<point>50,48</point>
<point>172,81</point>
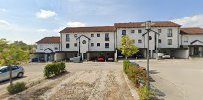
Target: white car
<point>17,71</point>
<point>166,56</point>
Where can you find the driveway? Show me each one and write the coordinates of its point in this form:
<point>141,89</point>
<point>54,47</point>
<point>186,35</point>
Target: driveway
<point>177,79</point>
<point>88,80</point>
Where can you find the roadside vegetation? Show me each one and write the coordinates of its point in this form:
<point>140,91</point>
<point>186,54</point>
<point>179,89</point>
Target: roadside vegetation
<point>138,76</point>
<point>16,87</point>
<point>54,69</point>
<point>15,53</point>
<point>128,48</point>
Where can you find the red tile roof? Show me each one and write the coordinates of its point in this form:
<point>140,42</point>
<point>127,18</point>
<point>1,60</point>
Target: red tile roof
<point>139,24</point>
<point>192,31</point>
<point>47,40</point>
<point>88,29</point>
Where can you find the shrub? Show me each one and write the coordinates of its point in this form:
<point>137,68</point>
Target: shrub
<point>16,88</point>
<point>54,69</point>
<point>145,93</point>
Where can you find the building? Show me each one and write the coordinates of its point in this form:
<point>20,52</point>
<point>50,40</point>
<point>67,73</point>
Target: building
<point>88,42</point>
<point>46,48</point>
<point>166,40</point>
<point>192,40</point>
<point>91,42</point>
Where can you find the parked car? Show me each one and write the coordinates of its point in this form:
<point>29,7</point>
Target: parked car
<point>35,60</point>
<point>110,59</point>
<point>75,59</point>
<point>166,56</point>
<point>17,71</point>
<point>101,59</point>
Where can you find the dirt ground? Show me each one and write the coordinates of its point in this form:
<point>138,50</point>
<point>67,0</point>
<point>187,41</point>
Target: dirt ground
<point>84,81</point>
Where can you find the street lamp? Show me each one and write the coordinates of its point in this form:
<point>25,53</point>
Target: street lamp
<point>148,28</point>
<point>148,25</point>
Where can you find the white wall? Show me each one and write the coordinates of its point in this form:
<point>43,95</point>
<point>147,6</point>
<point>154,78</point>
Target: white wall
<point>43,47</point>
<point>94,40</point>
<point>191,38</point>
<point>163,36</point>
<point>59,56</point>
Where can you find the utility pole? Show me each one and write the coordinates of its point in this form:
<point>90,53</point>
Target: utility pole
<point>148,27</point>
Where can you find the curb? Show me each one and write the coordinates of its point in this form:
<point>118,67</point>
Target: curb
<point>131,87</point>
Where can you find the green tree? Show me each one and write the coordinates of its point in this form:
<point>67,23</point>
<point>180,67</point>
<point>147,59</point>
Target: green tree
<point>128,48</point>
<point>12,55</point>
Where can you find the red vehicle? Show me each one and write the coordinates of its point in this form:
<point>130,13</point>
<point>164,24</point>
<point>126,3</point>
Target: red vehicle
<point>101,59</point>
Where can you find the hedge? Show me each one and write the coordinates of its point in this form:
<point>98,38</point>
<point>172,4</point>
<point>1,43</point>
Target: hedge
<point>54,69</point>
<point>16,88</point>
<point>139,77</point>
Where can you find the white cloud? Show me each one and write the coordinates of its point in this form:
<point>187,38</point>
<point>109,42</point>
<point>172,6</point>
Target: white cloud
<point>191,21</point>
<point>4,23</point>
<point>76,24</point>
<point>44,14</point>
<point>2,10</point>
<point>42,30</point>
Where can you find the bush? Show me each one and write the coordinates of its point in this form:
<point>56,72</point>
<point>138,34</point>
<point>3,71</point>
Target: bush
<point>16,88</point>
<point>145,94</point>
<point>54,69</point>
<point>135,73</point>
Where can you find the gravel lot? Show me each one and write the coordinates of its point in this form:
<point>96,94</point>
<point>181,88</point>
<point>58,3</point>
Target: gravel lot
<point>177,79</point>
<point>84,81</point>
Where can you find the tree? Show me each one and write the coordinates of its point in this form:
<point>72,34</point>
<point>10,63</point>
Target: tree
<point>12,55</point>
<point>128,48</point>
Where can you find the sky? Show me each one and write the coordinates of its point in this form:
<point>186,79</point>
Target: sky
<point>31,20</point>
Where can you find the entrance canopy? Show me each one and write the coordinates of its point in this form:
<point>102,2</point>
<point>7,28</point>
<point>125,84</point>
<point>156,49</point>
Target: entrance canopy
<point>196,43</point>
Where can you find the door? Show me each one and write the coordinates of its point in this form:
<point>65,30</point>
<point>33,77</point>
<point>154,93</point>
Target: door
<point>4,74</point>
<point>196,51</point>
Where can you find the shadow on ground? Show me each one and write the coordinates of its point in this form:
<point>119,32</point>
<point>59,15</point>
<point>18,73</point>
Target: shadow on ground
<point>158,93</point>
<point>13,79</point>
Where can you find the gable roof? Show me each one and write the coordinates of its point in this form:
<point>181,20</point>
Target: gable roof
<point>191,31</point>
<point>196,41</point>
<point>88,29</point>
<point>47,40</point>
<point>139,24</point>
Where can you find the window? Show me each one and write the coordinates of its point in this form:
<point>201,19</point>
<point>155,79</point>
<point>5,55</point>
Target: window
<point>159,30</point>
<point>98,44</point>
<point>159,40</point>
<point>92,35</point>
<point>4,70</point>
<point>170,33</point>
<point>106,36</point>
<point>139,41</point>
<point>106,45</point>
<point>98,35</point>
<point>132,31</point>
<point>139,31</point>
<point>123,32</point>
<point>75,44</point>
<point>67,38</point>
<point>56,48</point>
<point>75,35</point>
<point>92,44</point>
<point>14,67</point>
<point>67,45</point>
<point>169,41</point>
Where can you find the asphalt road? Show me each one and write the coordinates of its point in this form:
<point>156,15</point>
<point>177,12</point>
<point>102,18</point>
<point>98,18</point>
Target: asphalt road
<point>177,79</point>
